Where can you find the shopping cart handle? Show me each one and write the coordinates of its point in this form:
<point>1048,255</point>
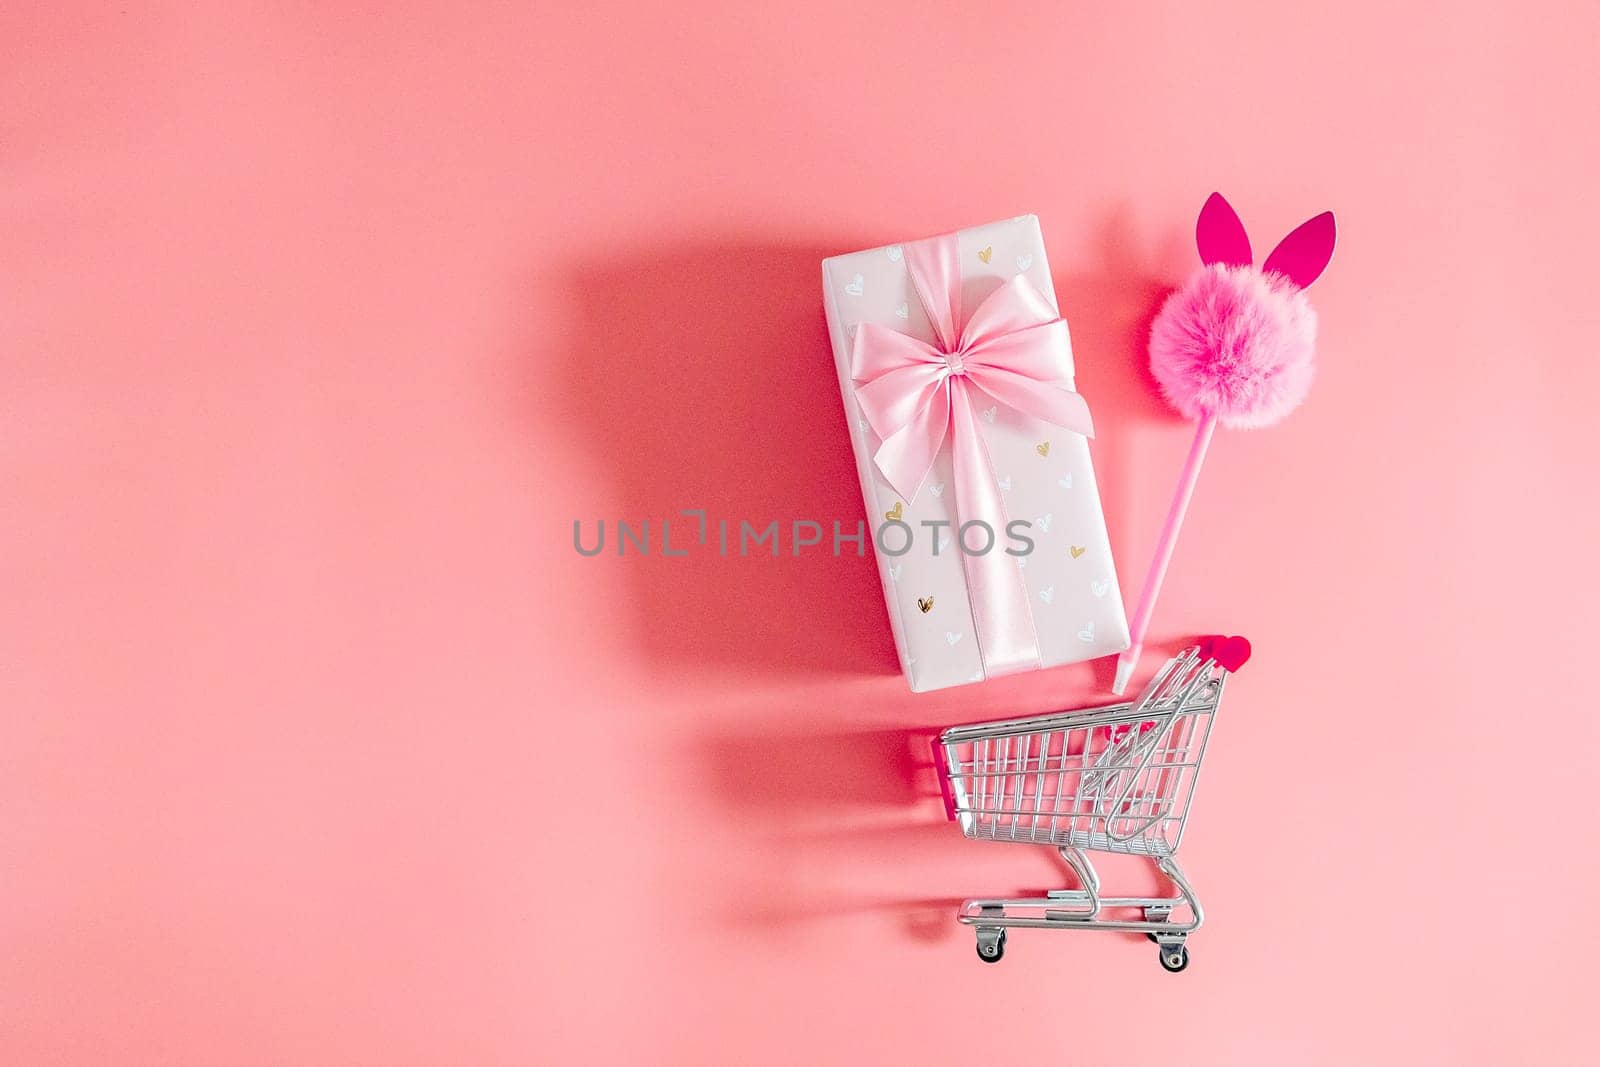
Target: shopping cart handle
<point>1231,653</point>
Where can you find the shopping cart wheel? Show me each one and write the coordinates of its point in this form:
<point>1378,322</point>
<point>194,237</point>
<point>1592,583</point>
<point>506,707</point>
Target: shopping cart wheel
<point>991,944</point>
<point>1174,957</point>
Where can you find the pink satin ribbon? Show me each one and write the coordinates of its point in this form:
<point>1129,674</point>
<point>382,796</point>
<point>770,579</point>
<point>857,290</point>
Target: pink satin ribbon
<point>1015,350</point>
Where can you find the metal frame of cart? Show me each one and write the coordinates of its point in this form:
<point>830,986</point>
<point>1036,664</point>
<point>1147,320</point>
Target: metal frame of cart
<point>1115,779</point>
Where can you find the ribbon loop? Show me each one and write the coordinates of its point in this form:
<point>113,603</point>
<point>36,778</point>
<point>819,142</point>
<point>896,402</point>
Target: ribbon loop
<point>1016,305</point>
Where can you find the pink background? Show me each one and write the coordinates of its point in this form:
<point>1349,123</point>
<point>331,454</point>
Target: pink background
<point>322,322</point>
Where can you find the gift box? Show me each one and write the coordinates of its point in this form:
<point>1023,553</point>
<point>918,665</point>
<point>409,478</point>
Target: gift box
<point>973,451</point>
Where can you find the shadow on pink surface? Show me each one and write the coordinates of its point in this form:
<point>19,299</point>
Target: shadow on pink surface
<point>802,809</point>
<point>806,804</point>
<point>923,919</point>
<point>1110,310</point>
<point>794,774</point>
<point>702,378</point>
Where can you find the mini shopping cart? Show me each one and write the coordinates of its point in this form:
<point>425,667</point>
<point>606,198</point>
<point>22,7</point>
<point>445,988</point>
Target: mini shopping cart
<point>1116,779</point>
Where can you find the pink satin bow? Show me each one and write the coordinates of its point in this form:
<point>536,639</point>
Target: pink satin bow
<point>1015,350</point>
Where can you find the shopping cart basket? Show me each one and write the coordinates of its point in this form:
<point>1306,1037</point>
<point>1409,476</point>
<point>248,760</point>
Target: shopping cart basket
<point>1117,779</point>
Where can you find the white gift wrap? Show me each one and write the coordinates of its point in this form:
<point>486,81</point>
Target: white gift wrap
<point>1044,473</point>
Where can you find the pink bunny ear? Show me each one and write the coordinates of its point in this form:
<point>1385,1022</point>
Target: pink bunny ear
<point>1303,255</point>
<point>1220,235</point>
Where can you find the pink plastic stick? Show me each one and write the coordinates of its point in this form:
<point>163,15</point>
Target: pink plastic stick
<point>1169,540</point>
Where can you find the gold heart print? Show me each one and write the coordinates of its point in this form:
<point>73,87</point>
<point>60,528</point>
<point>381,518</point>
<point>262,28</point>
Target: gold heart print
<point>987,254</point>
<point>1043,448</point>
<point>925,603</point>
<point>1076,550</point>
<point>893,514</point>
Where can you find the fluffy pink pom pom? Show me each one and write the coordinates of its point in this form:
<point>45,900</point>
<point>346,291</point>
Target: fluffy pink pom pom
<point>1236,343</point>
